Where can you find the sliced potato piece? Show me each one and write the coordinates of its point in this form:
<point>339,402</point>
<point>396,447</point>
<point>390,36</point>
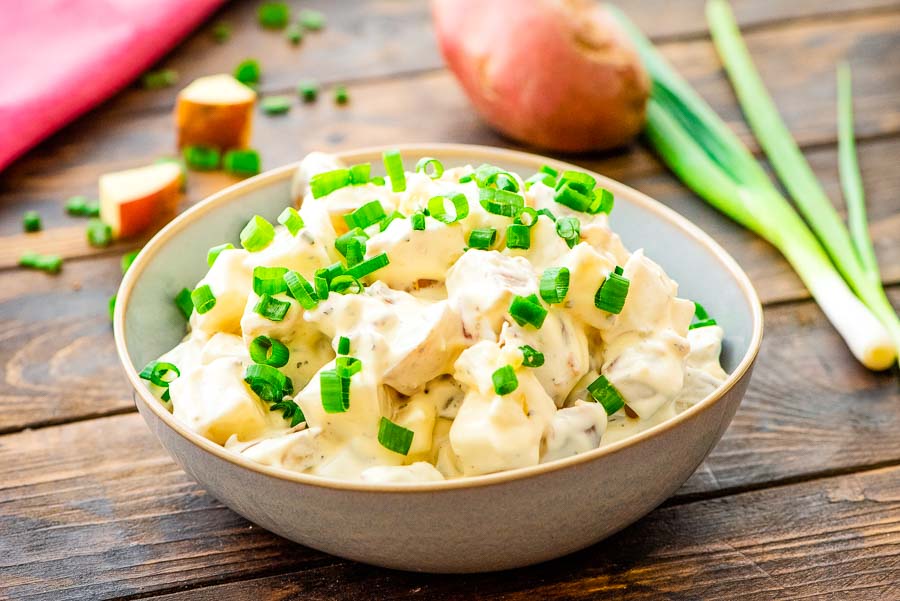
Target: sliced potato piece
<point>216,111</point>
<point>133,200</point>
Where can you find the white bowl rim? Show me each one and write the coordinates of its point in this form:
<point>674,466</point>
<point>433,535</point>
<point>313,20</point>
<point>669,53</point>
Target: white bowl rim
<point>474,153</point>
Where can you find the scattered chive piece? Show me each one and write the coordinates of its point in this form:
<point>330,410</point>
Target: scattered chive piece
<point>482,238</point>
<point>505,380</point>
<point>308,90</point>
<point>393,165</point>
<point>437,207</point>
<point>611,294</point>
<point>156,80</point>
<point>490,176</point>
<point>322,184</point>
<point>418,221</point>
<point>369,266</point>
<point>340,95</point>
<point>290,411</point>
<point>549,170</point>
<point>527,310</point>
<point>128,259</point>
<point>500,202</point>
<point>437,168</point>
<point>323,277</point>
<point>269,351</point>
<point>112,306</point>
<point>347,367</point>
<point>602,391</point>
<point>213,253</point>
<point>31,221</point>
<point>268,383</point>
<point>158,373</point>
<point>334,391</point>
<point>544,178</point>
<point>390,219</point>
<point>554,284</point>
<point>276,105</point>
<point>344,241</point>
<point>247,72</point>
<point>703,318</point>
<point>271,308</point>
<point>92,209</point>
<point>569,229</point>
<point>242,162</point>
<point>48,263</point>
<point>221,32</point>
<point>312,20</point>
<point>360,173</point>
<point>355,250</point>
<point>603,201</point>
<point>366,215</point>
<point>346,283</point>
<point>269,280</point>
<point>527,216</point>
<point>569,195</point>
<point>518,236</point>
<point>99,234</point>
<point>76,206</point>
<point>257,234</point>
<point>184,302</point>
<point>531,356</point>
<point>291,219</point>
<point>394,437</point>
<point>201,158</point>
<point>273,15</point>
<point>300,288</point>
<point>343,346</point>
<point>203,299</point>
<point>547,213</point>
<point>294,33</point>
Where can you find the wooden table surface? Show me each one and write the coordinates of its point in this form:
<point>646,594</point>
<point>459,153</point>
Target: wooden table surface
<point>800,499</point>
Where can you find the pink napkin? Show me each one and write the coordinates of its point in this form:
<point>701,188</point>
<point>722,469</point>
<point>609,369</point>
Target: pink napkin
<point>62,57</point>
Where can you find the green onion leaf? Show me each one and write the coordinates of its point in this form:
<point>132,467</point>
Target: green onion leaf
<point>76,206</point>
<point>518,236</point>
<point>274,15</point>
<point>276,105</point>
<point>366,215</point>
<point>505,380</point>
<point>531,356</point>
<point>203,299</point>
<point>369,266</point>
<point>500,202</point>
<point>491,176</point>
<point>247,72</point>
<point>703,318</point>
<point>345,240</point>
<point>437,168</point>
<point>112,306</point>
<point>99,234</point>
<point>294,33</point>
<point>269,351</point>
<point>549,214</point>
<point>603,201</point>
<point>48,263</point>
<point>312,20</point>
<point>334,391</point>
<point>184,302</point>
<point>160,373</point>
<point>290,411</point>
<point>345,284</point>
<point>31,221</point>
<point>343,346</point>
<point>418,221</point>
<point>257,234</point>
<point>482,238</point>
<point>268,383</point>
<point>271,308</point>
<point>308,90</point>
<point>438,210</point>
<point>527,216</point>
<point>341,96</point>
<point>360,173</point>
<point>221,32</point>
<point>300,289</point>
<point>157,80</point>
<point>201,158</point>
<point>269,280</point>
<point>213,253</point>
<point>544,178</point>
<point>611,294</point>
<point>394,437</point>
<point>569,229</point>
<point>554,284</point>
<point>393,165</point>
<point>291,219</point>
<point>322,184</point>
<point>569,195</point>
<point>346,367</point>
<point>242,162</point>
<point>527,310</point>
<point>127,259</point>
<point>602,391</point>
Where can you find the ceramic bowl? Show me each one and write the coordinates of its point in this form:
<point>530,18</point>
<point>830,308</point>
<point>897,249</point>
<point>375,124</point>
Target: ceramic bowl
<point>492,522</point>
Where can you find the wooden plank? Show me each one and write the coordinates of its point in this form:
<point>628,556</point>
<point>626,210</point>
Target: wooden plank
<point>118,518</point>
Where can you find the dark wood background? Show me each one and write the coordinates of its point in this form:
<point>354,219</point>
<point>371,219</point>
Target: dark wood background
<point>801,499</point>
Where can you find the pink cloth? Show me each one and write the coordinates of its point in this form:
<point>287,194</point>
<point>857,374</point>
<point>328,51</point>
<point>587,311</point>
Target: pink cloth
<point>62,57</point>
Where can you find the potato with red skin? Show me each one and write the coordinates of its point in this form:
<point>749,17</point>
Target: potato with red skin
<point>557,74</point>
<point>132,201</point>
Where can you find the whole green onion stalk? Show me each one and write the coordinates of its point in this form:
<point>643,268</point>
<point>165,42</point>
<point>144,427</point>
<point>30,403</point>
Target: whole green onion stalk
<point>710,159</point>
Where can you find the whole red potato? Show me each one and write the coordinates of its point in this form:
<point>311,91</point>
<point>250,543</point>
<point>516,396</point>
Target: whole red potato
<point>558,74</point>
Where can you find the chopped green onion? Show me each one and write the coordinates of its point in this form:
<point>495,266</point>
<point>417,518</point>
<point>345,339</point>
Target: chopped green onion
<point>300,288</point>
<point>308,90</point>
<point>554,284</point>
<point>437,168</point>
<point>579,180</point>
<point>527,310</point>
<point>257,234</point>
<point>127,259</point>
<point>505,380</point>
<point>544,178</point>
<point>569,229</point>
<point>703,318</point>
<point>346,367</point>
<point>527,216</point>
<point>548,214</point>
<point>369,266</point>
<point>334,391</point>
<point>221,32</point>
<point>602,391</point>
<point>518,236</point>
<point>465,179</point>
<point>500,202</point>
<point>92,209</point>
<point>549,170</point>
<point>531,356</point>
<point>340,95</point>
<point>273,15</point>
<point>569,195</point>
<point>291,411</point>
<point>344,240</point>
<point>242,162</point>
<point>603,201</point>
<point>394,437</point>
<point>390,219</point>
<point>247,72</point>
<point>345,284</point>
<point>184,302</point>
<point>112,306</point>
<point>268,383</point>
<point>490,176</point>
<point>159,373</point>
<point>611,294</point>
<point>418,221</point>
<point>276,105</point>
<point>360,173</point>
<point>269,280</point>
<point>203,299</point>
<point>99,234</point>
<point>482,238</point>
<point>271,308</point>
<point>393,165</point>
<point>343,345</point>
<point>322,279</point>
<point>356,250</point>
<point>438,210</point>
<point>76,205</point>
<point>291,219</point>
<point>31,221</point>
<point>377,180</point>
<point>322,184</point>
<point>366,215</point>
<point>294,33</point>
<point>213,253</point>
<point>48,263</point>
<point>156,80</point>
<point>312,20</point>
<point>268,351</point>
<point>201,158</point>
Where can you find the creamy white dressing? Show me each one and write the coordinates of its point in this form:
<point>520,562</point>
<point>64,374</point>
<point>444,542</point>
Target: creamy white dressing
<point>431,329</point>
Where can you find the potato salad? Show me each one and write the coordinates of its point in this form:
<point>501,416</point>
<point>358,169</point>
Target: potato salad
<point>432,324</point>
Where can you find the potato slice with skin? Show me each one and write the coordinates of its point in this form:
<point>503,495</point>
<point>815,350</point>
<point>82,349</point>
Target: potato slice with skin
<point>217,111</point>
<point>133,200</point>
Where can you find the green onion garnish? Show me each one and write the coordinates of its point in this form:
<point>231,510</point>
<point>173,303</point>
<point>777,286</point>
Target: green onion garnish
<point>31,221</point>
<point>268,383</point>
<point>76,205</point>
<point>343,345</point>
<point>527,310</point>
<point>579,180</point>
<point>703,318</point>
<point>334,391</point>
<point>360,173</point>
<point>112,306</point>
<point>127,259</point>
<point>438,210</point>
<point>554,284</point>
<point>201,158</point>
<point>312,20</point>
<point>99,234</point>
<point>203,299</point>
<point>184,302</point>
<point>603,201</point>
<point>490,176</point>
<point>547,213</point>
<point>437,168</point>
<point>276,105</point>
<point>257,234</point>
<point>390,219</point>
<point>242,162</point>
<point>156,80</point>
<point>290,410</point>
<point>500,202</point>
<point>369,266</point>
<point>418,221</point>
<point>610,296</point>
<point>160,373</point>
<point>346,367</point>
<point>355,251</point>
<point>567,194</point>
<point>247,72</point>
<point>213,253</point>
<point>274,15</point>
<point>344,240</point>
<point>505,380</point>
<point>48,263</point>
<point>308,90</point>
<point>518,236</point>
<point>366,215</point>
<point>569,229</point>
<point>271,308</point>
<point>545,178</point>
<point>221,32</point>
<point>394,437</point>
<point>291,219</point>
<point>322,279</point>
<point>294,33</point>
<point>393,165</point>
<point>322,184</point>
<point>527,216</point>
<point>345,284</point>
<point>300,288</point>
<point>269,280</point>
<point>602,391</point>
<point>268,351</point>
<point>482,238</point>
<point>531,356</point>
<point>92,209</point>
<point>341,96</point>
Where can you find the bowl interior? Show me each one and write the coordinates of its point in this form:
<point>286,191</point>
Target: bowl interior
<point>176,258</point>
